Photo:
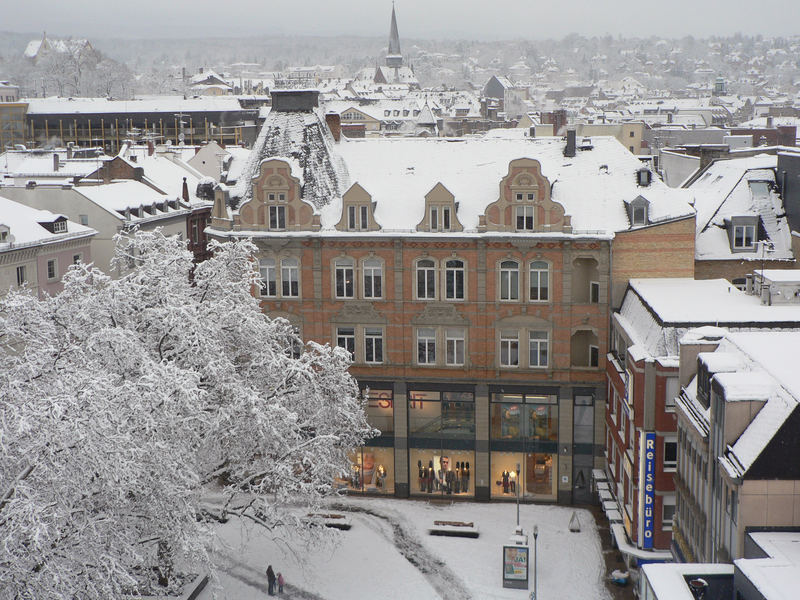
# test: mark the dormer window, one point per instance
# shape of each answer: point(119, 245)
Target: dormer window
point(60, 227)
point(744, 237)
point(643, 176)
point(638, 211)
point(5, 234)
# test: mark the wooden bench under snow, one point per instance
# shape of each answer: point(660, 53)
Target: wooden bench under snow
point(454, 529)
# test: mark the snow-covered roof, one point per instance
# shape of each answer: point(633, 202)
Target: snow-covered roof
point(168, 104)
point(118, 196)
point(669, 580)
point(24, 226)
point(658, 313)
point(771, 366)
point(304, 137)
point(38, 164)
point(167, 173)
point(592, 186)
point(739, 187)
point(776, 576)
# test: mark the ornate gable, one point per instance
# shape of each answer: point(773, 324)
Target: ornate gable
point(524, 203)
point(276, 203)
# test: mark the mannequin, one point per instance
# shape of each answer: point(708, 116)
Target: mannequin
point(421, 476)
point(505, 481)
point(465, 474)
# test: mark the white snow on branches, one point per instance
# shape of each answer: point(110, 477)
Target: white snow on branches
point(125, 403)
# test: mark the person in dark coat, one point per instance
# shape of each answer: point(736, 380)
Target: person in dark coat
point(271, 581)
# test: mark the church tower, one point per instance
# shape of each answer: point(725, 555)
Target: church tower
point(393, 57)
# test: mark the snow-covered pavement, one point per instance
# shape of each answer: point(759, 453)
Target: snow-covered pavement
point(388, 554)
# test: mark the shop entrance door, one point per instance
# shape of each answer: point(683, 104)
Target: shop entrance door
point(582, 449)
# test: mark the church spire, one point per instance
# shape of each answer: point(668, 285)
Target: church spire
point(393, 57)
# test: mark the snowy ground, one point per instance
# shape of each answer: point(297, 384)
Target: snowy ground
point(388, 554)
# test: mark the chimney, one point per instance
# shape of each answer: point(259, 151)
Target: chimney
point(151, 148)
point(55, 161)
point(185, 191)
point(669, 117)
point(693, 342)
point(69, 150)
point(770, 122)
point(201, 70)
point(334, 124)
point(569, 151)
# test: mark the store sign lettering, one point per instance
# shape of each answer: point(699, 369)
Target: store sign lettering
point(649, 497)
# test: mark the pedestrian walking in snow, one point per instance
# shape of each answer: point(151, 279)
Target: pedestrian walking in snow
point(270, 581)
point(280, 583)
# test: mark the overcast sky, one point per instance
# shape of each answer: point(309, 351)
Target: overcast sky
point(472, 19)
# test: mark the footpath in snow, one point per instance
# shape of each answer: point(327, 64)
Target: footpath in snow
point(388, 554)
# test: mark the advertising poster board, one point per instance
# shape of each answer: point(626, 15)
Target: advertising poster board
point(515, 567)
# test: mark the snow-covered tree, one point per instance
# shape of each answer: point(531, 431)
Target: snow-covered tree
point(126, 404)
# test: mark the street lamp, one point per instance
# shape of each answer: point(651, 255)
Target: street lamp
point(535, 535)
point(516, 487)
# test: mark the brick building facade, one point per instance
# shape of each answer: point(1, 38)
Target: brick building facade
point(471, 283)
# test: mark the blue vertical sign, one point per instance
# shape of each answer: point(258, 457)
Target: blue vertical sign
point(649, 496)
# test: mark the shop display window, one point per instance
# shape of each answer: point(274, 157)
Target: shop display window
point(536, 478)
point(442, 472)
point(518, 417)
point(441, 414)
point(380, 409)
point(372, 471)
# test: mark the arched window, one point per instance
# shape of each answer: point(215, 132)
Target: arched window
point(344, 273)
point(426, 279)
point(539, 281)
point(373, 278)
point(454, 279)
point(290, 278)
point(269, 287)
point(509, 280)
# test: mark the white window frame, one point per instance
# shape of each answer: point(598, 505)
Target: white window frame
point(269, 274)
point(373, 355)
point(59, 226)
point(508, 279)
point(524, 212)
point(346, 338)
point(54, 263)
point(22, 275)
point(458, 275)
point(541, 269)
point(744, 230)
point(446, 222)
point(426, 346)
point(76, 258)
point(540, 340)
point(667, 524)
point(671, 466)
point(344, 277)
point(352, 218)
point(277, 217)
point(372, 272)
point(428, 272)
point(509, 345)
point(455, 346)
point(290, 274)
point(434, 218)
